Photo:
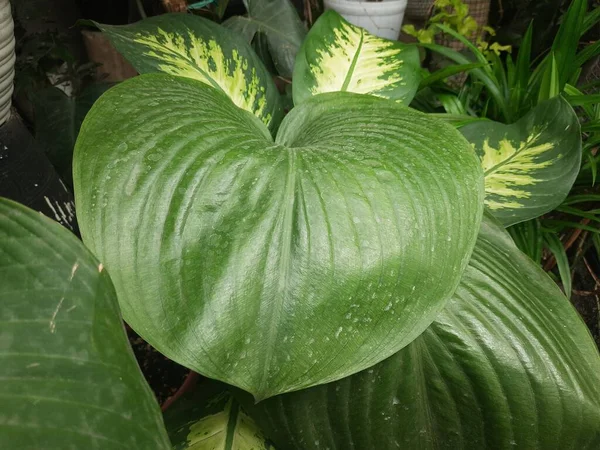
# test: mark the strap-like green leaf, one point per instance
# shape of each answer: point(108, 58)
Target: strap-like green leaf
point(210, 419)
point(278, 21)
point(274, 266)
point(338, 56)
point(190, 46)
point(531, 165)
point(508, 364)
point(68, 376)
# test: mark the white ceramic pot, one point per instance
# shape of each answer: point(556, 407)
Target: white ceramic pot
point(7, 59)
point(383, 18)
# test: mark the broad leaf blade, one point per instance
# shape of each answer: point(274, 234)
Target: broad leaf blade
point(69, 378)
point(338, 56)
point(273, 265)
point(279, 22)
point(531, 165)
point(508, 364)
point(210, 419)
point(190, 46)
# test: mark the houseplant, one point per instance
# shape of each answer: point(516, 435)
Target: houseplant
point(367, 215)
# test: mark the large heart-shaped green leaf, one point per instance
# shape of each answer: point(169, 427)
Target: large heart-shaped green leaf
point(190, 46)
point(508, 364)
point(531, 165)
point(274, 265)
point(278, 21)
point(209, 418)
point(68, 376)
point(338, 56)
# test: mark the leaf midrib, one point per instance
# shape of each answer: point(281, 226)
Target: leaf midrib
point(350, 72)
point(507, 160)
point(284, 269)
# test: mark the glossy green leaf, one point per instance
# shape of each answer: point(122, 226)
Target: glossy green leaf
point(528, 238)
point(209, 418)
point(68, 376)
point(508, 364)
point(338, 56)
point(531, 165)
point(274, 265)
point(279, 22)
point(190, 46)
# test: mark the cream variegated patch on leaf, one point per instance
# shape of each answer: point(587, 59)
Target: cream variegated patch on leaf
point(209, 418)
point(531, 165)
point(192, 47)
point(338, 56)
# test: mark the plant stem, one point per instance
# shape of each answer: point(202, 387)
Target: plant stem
point(140, 7)
point(189, 382)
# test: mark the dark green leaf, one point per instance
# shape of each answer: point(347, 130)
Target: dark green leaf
point(564, 48)
point(274, 265)
point(528, 238)
point(279, 21)
point(508, 364)
point(58, 119)
point(446, 72)
point(69, 378)
point(551, 85)
point(562, 261)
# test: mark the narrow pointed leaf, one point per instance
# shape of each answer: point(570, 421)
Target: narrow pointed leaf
point(338, 56)
point(278, 20)
point(69, 377)
point(274, 265)
point(209, 418)
point(531, 165)
point(190, 46)
point(508, 364)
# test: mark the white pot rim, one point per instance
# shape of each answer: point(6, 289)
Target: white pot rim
point(358, 7)
point(373, 4)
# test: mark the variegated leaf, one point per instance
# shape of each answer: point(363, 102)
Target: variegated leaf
point(531, 165)
point(193, 47)
point(208, 418)
point(338, 56)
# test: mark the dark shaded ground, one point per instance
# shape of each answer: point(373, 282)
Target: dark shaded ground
point(163, 375)
point(586, 292)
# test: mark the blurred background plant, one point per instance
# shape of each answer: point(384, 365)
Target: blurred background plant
point(503, 86)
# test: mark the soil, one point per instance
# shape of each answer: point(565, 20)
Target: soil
point(586, 292)
point(163, 375)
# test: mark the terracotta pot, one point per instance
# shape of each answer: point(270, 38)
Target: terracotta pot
point(112, 66)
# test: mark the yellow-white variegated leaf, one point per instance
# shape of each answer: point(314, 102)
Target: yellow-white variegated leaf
point(338, 56)
point(190, 46)
point(209, 418)
point(531, 165)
